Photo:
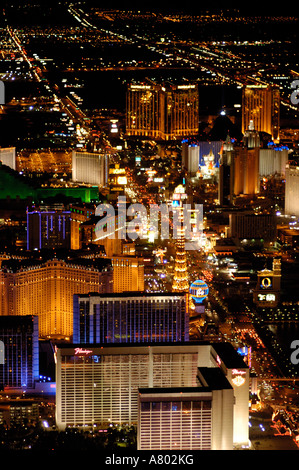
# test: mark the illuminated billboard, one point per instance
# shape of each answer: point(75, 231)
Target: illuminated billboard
point(122, 180)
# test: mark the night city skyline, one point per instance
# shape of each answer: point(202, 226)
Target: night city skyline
point(149, 229)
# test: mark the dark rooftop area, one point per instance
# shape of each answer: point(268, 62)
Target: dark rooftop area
point(213, 378)
point(229, 356)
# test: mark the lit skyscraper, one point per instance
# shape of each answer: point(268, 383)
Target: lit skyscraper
point(181, 110)
point(144, 110)
point(46, 289)
point(181, 418)
point(180, 278)
point(246, 171)
point(133, 317)
point(162, 111)
point(90, 168)
point(292, 190)
point(128, 273)
point(261, 105)
point(102, 384)
point(48, 228)
point(19, 336)
point(273, 161)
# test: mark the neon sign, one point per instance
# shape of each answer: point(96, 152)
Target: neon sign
point(267, 297)
point(218, 360)
point(82, 352)
point(237, 378)
point(238, 381)
point(266, 282)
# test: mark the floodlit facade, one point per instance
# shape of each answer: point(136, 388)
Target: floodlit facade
point(292, 190)
point(144, 110)
point(246, 171)
point(46, 289)
point(190, 158)
point(90, 168)
point(130, 318)
point(273, 161)
point(162, 111)
point(261, 105)
point(128, 273)
point(181, 110)
point(195, 418)
point(92, 231)
point(8, 157)
point(172, 419)
point(100, 384)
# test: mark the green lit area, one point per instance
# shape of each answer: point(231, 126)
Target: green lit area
point(16, 186)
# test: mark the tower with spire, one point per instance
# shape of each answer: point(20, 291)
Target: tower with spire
point(180, 278)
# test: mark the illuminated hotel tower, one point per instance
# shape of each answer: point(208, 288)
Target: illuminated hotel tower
point(90, 168)
point(177, 394)
point(162, 111)
point(292, 190)
point(180, 278)
point(180, 110)
point(48, 228)
point(45, 288)
point(261, 104)
point(19, 340)
point(144, 110)
point(130, 317)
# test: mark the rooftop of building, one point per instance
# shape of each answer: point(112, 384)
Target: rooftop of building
point(17, 321)
point(229, 355)
point(130, 294)
point(14, 265)
point(209, 378)
point(226, 351)
point(213, 378)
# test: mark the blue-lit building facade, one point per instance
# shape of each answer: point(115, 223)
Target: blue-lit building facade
point(48, 228)
point(130, 318)
point(19, 365)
